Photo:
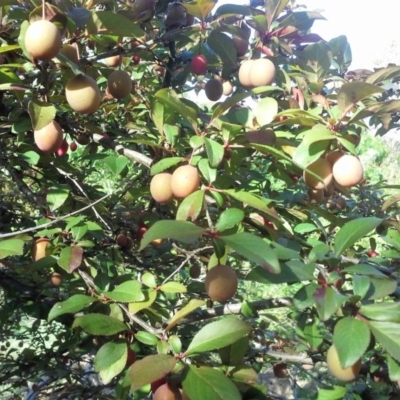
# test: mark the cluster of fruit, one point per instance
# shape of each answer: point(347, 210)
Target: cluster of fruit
point(43, 42)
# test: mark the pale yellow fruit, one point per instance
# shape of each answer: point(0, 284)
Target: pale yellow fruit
point(244, 73)
point(323, 169)
point(114, 61)
point(38, 249)
point(71, 52)
point(214, 89)
point(160, 187)
point(333, 156)
point(49, 138)
point(343, 374)
point(221, 283)
point(119, 84)
point(348, 171)
point(42, 40)
point(227, 88)
point(56, 279)
point(83, 94)
point(185, 180)
point(262, 72)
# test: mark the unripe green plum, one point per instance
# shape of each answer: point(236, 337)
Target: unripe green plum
point(119, 84)
point(221, 283)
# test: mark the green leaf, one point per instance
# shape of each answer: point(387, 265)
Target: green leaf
point(257, 202)
point(234, 353)
point(223, 46)
point(351, 338)
point(191, 206)
point(149, 298)
point(70, 258)
point(244, 373)
point(266, 110)
point(150, 369)
point(57, 196)
point(183, 312)
point(215, 152)
point(107, 22)
point(200, 8)
point(394, 369)
point(315, 60)
point(273, 9)
point(170, 98)
point(171, 133)
point(126, 292)
point(307, 153)
point(173, 287)
point(333, 393)
point(389, 312)
point(11, 247)
point(237, 98)
point(313, 334)
point(218, 334)
point(380, 288)
point(353, 231)
point(31, 157)
point(175, 342)
point(158, 115)
point(209, 173)
point(72, 305)
point(327, 302)
point(78, 232)
point(183, 231)
point(146, 338)
point(387, 334)
point(352, 92)
point(109, 354)
point(364, 269)
point(164, 164)
point(383, 74)
point(304, 297)
point(99, 324)
point(149, 280)
point(116, 163)
point(41, 113)
point(255, 249)
point(229, 218)
point(202, 383)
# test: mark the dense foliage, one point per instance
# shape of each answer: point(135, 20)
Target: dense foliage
point(108, 293)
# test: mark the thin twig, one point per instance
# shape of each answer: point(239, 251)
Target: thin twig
point(189, 255)
point(236, 309)
point(131, 154)
point(69, 176)
point(135, 319)
point(55, 221)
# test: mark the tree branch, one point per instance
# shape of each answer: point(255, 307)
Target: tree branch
point(236, 309)
point(131, 154)
point(55, 221)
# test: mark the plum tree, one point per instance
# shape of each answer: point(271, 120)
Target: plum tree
point(343, 374)
point(172, 204)
point(83, 94)
point(49, 138)
point(221, 283)
point(119, 84)
point(184, 181)
point(43, 40)
point(160, 187)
